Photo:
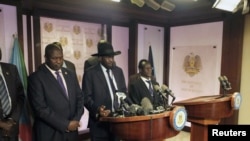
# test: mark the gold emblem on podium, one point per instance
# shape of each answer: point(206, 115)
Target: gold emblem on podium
point(178, 118)
point(76, 29)
point(77, 54)
point(192, 64)
point(48, 26)
point(236, 100)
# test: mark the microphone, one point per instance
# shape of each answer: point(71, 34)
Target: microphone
point(222, 82)
point(146, 105)
point(168, 92)
point(122, 96)
point(135, 109)
point(227, 82)
point(159, 91)
point(129, 109)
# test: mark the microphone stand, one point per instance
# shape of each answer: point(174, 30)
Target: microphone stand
point(123, 109)
point(120, 111)
point(164, 96)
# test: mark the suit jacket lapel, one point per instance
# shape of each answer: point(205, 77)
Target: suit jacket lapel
point(145, 89)
point(6, 74)
point(53, 79)
point(101, 76)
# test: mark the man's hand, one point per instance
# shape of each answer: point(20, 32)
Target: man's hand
point(73, 125)
point(7, 126)
point(103, 112)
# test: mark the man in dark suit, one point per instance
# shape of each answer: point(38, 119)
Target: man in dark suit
point(69, 65)
point(91, 61)
point(14, 94)
point(101, 99)
point(143, 86)
point(56, 99)
point(136, 76)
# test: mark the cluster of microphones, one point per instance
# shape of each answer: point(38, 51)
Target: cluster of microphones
point(225, 84)
point(127, 108)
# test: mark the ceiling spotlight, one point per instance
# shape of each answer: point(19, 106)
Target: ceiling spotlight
point(166, 5)
point(227, 5)
point(153, 4)
point(116, 0)
point(245, 8)
point(139, 3)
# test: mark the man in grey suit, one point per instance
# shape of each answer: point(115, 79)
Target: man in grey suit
point(100, 91)
point(56, 99)
point(10, 86)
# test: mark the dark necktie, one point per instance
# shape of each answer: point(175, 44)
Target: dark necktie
point(6, 107)
point(151, 91)
point(60, 81)
point(116, 104)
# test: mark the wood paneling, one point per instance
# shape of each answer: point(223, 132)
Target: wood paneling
point(232, 57)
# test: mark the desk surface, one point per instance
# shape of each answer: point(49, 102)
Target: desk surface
point(135, 118)
point(204, 100)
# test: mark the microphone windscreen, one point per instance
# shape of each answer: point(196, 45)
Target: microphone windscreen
point(146, 105)
point(157, 88)
point(121, 95)
point(221, 79)
point(164, 87)
point(225, 78)
point(135, 109)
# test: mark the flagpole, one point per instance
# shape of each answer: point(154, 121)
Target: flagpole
point(25, 124)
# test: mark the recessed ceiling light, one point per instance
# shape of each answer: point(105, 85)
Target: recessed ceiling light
point(116, 0)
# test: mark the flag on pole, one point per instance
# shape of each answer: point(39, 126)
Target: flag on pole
point(25, 127)
point(151, 60)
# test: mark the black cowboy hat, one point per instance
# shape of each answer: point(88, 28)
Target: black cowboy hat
point(105, 49)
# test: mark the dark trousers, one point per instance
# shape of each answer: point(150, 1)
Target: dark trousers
point(3, 138)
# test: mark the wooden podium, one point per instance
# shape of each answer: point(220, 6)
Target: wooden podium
point(208, 110)
point(155, 127)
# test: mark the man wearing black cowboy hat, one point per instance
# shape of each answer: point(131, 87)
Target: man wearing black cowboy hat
point(99, 85)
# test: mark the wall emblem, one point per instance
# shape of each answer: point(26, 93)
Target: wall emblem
point(64, 41)
point(192, 64)
point(48, 27)
point(77, 29)
point(89, 42)
point(77, 54)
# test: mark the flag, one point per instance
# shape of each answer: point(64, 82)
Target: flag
point(25, 127)
point(151, 60)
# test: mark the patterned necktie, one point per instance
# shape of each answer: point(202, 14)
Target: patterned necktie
point(6, 107)
point(151, 91)
point(116, 104)
point(60, 81)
